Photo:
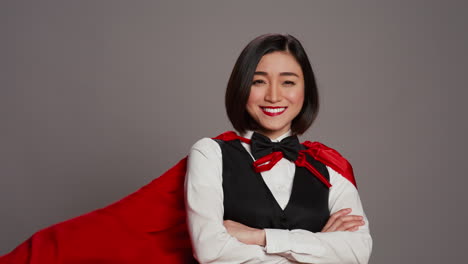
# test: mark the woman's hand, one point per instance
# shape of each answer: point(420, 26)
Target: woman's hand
point(245, 234)
point(341, 221)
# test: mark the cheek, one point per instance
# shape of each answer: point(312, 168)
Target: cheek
point(254, 97)
point(296, 97)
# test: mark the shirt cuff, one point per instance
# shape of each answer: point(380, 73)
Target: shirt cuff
point(277, 241)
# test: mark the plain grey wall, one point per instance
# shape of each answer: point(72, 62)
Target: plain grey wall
point(99, 97)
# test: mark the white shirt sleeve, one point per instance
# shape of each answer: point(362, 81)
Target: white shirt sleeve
point(332, 247)
point(204, 203)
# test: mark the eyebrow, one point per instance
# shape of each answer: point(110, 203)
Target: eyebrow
point(281, 74)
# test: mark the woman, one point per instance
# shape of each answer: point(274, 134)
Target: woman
point(274, 211)
point(234, 214)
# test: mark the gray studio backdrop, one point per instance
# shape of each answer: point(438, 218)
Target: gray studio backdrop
point(100, 97)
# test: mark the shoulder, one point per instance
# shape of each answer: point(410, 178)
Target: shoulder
point(339, 182)
point(332, 159)
point(325, 153)
point(204, 155)
point(204, 164)
point(207, 147)
point(318, 146)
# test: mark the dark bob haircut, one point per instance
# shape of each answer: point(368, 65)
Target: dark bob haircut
point(238, 87)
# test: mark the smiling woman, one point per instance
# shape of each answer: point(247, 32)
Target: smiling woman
point(260, 196)
point(275, 68)
point(277, 93)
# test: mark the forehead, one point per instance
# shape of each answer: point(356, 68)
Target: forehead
point(277, 62)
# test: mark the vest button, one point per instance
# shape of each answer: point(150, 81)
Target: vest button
point(283, 219)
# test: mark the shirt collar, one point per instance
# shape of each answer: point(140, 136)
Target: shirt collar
point(248, 134)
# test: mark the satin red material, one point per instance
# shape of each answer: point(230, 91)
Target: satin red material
point(331, 158)
point(302, 162)
point(267, 162)
point(148, 226)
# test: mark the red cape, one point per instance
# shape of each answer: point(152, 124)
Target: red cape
point(148, 226)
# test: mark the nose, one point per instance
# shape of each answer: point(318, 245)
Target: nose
point(273, 94)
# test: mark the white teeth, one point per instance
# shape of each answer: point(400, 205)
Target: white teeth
point(273, 110)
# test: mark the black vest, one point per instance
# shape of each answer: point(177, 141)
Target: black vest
point(248, 200)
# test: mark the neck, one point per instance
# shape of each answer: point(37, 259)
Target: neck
point(272, 134)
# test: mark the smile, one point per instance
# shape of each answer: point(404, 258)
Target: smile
point(273, 111)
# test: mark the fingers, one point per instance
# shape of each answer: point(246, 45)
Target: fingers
point(335, 216)
point(345, 222)
point(352, 229)
point(350, 226)
point(341, 221)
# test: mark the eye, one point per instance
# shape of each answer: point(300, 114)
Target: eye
point(258, 82)
point(289, 83)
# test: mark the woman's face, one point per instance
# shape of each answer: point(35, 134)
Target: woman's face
point(277, 93)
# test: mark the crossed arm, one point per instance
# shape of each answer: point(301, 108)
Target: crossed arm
point(339, 221)
point(344, 239)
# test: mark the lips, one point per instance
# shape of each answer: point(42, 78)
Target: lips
point(273, 110)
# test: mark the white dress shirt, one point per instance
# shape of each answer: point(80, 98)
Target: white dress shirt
point(213, 244)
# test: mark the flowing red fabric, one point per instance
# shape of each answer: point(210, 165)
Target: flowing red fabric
point(302, 162)
point(148, 226)
point(331, 158)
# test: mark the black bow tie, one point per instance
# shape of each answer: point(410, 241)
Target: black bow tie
point(262, 145)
